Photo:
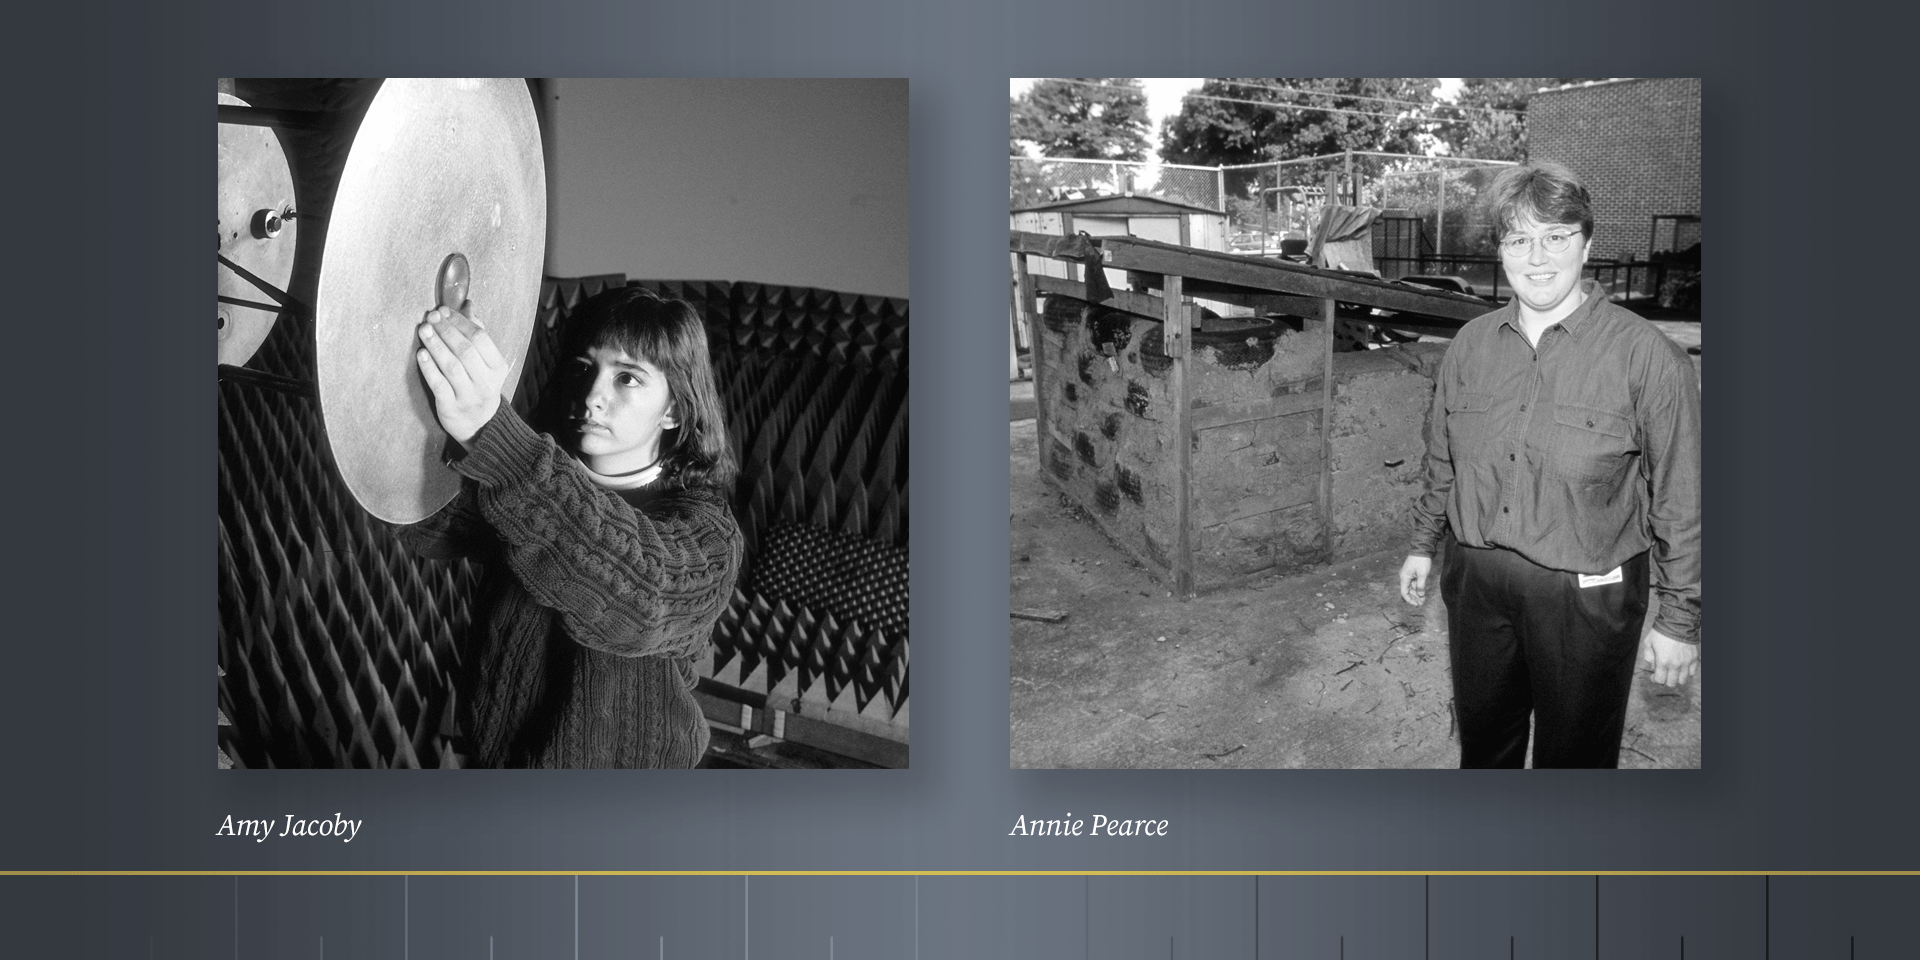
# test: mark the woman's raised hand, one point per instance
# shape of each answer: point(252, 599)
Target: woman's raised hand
point(463, 368)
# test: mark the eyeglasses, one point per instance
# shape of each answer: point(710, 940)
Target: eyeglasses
point(1552, 243)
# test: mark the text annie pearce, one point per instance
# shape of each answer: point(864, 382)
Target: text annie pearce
point(332, 828)
point(1102, 826)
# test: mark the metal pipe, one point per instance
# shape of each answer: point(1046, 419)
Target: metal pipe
point(308, 120)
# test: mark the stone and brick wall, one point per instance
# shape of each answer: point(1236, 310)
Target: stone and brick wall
point(1109, 442)
point(1636, 145)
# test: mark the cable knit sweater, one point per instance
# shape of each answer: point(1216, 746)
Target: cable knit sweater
point(595, 606)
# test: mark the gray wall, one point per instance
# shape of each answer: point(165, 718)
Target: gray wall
point(797, 182)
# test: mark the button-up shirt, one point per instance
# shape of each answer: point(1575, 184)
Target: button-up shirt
point(1577, 454)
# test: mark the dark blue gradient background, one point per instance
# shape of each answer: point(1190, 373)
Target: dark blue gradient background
point(107, 685)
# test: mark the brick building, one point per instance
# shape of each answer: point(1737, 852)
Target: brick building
point(1636, 144)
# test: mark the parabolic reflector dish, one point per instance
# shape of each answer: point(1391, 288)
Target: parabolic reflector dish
point(438, 167)
point(255, 193)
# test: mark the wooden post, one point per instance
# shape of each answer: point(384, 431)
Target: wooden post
point(1326, 428)
point(1439, 228)
point(1178, 331)
point(1037, 338)
point(1013, 331)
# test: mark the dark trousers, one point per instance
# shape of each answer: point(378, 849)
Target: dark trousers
point(1530, 641)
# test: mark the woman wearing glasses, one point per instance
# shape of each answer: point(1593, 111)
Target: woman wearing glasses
point(1563, 464)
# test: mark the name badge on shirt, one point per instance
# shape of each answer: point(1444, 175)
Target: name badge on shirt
point(1599, 579)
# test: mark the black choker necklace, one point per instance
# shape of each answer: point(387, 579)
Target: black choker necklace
point(629, 473)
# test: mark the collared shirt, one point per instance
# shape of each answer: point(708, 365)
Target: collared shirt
point(1577, 454)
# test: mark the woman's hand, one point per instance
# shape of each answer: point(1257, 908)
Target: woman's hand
point(463, 369)
point(1413, 579)
point(1673, 662)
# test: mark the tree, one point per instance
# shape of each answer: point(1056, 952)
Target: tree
point(1500, 135)
point(1252, 120)
point(1092, 118)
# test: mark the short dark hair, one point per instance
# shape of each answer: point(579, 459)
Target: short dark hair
point(670, 335)
point(1542, 191)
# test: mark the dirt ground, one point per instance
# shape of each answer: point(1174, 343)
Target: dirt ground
point(1327, 669)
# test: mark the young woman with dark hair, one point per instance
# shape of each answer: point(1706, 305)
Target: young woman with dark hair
point(609, 546)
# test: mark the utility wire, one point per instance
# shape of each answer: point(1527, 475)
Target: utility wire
point(1355, 96)
point(1308, 109)
point(1417, 118)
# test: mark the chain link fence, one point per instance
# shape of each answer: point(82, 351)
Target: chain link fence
point(1434, 198)
point(1432, 223)
point(1034, 182)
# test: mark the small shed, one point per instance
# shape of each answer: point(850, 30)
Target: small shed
point(1131, 215)
point(1128, 215)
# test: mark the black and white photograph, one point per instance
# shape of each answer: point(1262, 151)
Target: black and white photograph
point(562, 423)
point(1354, 422)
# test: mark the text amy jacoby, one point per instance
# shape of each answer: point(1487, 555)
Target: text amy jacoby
point(260, 830)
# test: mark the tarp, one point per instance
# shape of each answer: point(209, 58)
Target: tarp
point(1346, 237)
point(1086, 250)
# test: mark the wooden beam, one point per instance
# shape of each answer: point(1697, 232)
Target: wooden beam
point(1037, 336)
point(1262, 301)
point(1417, 325)
point(1282, 277)
point(1013, 330)
point(1302, 493)
point(1145, 304)
point(1067, 247)
point(1179, 329)
point(1258, 275)
point(1326, 431)
point(1265, 408)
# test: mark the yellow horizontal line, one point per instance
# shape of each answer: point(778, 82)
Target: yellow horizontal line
point(959, 873)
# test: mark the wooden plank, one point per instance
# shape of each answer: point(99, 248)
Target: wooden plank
point(1263, 301)
point(1264, 408)
point(1044, 616)
point(1283, 277)
point(1418, 325)
point(1180, 329)
point(1326, 431)
point(1301, 493)
point(1013, 331)
point(1145, 304)
point(1259, 274)
point(1047, 245)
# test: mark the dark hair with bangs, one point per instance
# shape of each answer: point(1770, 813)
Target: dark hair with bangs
point(1542, 191)
point(668, 334)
